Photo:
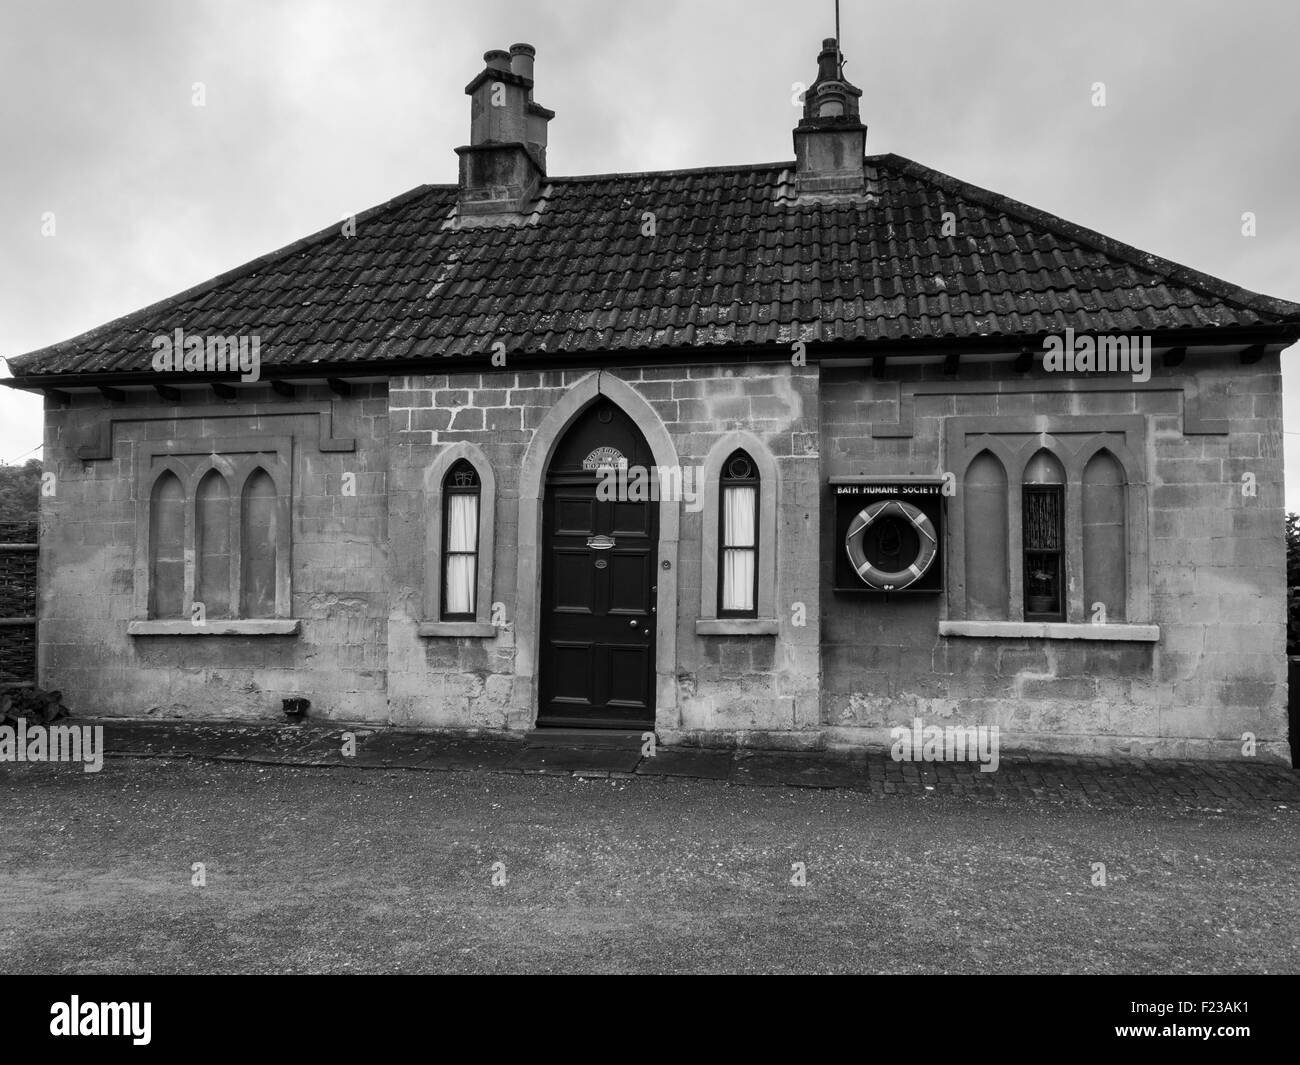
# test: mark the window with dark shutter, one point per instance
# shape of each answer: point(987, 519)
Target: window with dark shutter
point(1043, 538)
point(1044, 567)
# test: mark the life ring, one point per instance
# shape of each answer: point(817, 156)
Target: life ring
point(882, 580)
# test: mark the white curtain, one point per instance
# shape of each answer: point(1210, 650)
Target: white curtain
point(462, 535)
point(738, 548)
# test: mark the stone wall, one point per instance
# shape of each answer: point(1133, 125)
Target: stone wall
point(1215, 572)
point(338, 578)
point(739, 684)
point(817, 667)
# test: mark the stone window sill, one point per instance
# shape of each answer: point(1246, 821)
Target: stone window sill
point(1050, 630)
point(737, 626)
point(457, 628)
point(217, 627)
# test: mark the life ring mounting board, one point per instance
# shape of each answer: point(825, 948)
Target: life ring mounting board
point(884, 580)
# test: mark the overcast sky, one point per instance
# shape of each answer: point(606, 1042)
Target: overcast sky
point(316, 109)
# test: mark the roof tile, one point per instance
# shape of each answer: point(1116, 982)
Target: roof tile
point(734, 261)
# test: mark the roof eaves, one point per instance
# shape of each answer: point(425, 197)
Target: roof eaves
point(716, 351)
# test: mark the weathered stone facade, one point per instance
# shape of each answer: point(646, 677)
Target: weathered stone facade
point(706, 682)
point(816, 667)
point(91, 569)
point(1213, 561)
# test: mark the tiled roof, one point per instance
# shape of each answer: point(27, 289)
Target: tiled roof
point(733, 262)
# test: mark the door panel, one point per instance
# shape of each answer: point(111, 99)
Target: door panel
point(629, 582)
point(627, 666)
point(574, 582)
point(631, 518)
point(573, 515)
point(574, 672)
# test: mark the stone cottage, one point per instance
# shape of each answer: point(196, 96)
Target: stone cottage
point(788, 454)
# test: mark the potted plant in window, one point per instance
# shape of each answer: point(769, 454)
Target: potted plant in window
point(1041, 598)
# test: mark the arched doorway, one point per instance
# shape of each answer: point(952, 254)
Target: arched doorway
point(599, 576)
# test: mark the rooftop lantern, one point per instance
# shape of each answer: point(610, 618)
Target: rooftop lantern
point(830, 141)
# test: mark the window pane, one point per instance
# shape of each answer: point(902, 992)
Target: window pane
point(1042, 520)
point(462, 522)
point(739, 517)
point(738, 579)
point(462, 475)
point(1043, 583)
point(460, 583)
point(460, 568)
point(1044, 576)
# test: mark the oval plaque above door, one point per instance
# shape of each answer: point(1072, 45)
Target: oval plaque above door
point(605, 458)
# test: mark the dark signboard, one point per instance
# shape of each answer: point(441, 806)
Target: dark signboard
point(889, 536)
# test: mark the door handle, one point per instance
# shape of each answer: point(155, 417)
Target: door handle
point(632, 624)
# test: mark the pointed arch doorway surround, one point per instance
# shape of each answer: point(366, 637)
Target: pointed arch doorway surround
point(578, 659)
point(599, 580)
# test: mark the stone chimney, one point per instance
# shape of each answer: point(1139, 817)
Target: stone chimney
point(830, 141)
point(505, 160)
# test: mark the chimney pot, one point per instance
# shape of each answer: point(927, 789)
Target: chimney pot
point(521, 59)
point(828, 66)
point(497, 59)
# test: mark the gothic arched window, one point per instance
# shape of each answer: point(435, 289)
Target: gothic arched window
point(738, 538)
point(1043, 538)
point(460, 507)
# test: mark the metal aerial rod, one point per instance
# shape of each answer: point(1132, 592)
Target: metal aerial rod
point(839, 52)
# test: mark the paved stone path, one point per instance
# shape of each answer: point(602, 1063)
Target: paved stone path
point(1085, 781)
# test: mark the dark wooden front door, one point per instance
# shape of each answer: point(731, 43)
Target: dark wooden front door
point(600, 559)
